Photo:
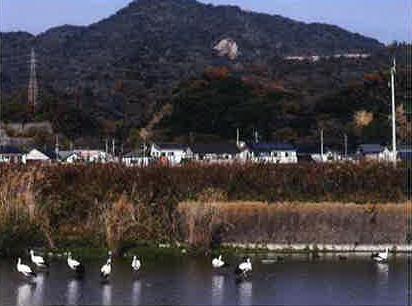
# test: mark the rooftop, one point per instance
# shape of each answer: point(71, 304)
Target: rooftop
point(215, 148)
point(268, 147)
point(10, 150)
point(371, 148)
point(171, 146)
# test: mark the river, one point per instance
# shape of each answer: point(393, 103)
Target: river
point(298, 280)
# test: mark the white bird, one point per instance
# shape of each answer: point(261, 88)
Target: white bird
point(136, 264)
point(106, 268)
point(244, 267)
point(382, 256)
point(218, 262)
point(25, 269)
point(74, 264)
point(38, 260)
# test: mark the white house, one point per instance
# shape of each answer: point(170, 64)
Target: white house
point(136, 159)
point(94, 156)
point(374, 152)
point(9, 154)
point(37, 156)
point(69, 157)
point(405, 152)
point(215, 152)
point(172, 154)
point(275, 153)
point(313, 154)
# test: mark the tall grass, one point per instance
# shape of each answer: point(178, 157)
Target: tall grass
point(21, 220)
point(286, 223)
point(116, 206)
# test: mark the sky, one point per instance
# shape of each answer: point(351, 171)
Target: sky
point(385, 20)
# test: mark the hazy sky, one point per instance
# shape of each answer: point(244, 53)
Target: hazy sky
point(386, 20)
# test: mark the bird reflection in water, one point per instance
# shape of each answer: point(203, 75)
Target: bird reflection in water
point(24, 295)
point(245, 292)
point(136, 292)
point(38, 294)
point(382, 270)
point(218, 282)
point(73, 294)
point(106, 294)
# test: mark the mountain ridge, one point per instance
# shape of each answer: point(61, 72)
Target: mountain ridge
point(125, 67)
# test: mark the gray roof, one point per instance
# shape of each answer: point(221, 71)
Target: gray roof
point(65, 154)
point(269, 147)
point(10, 150)
point(312, 149)
point(371, 148)
point(171, 146)
point(215, 148)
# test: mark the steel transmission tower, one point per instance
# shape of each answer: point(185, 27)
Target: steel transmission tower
point(33, 87)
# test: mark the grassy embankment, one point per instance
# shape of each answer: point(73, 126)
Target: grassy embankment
point(114, 207)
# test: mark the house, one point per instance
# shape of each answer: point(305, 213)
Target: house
point(10, 154)
point(69, 157)
point(136, 158)
point(94, 156)
point(405, 152)
point(169, 153)
point(84, 156)
point(37, 156)
point(215, 152)
point(276, 153)
point(312, 153)
point(373, 152)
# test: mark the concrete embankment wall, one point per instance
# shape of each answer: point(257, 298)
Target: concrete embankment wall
point(325, 248)
point(297, 226)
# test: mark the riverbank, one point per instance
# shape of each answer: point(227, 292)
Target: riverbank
point(203, 207)
point(314, 248)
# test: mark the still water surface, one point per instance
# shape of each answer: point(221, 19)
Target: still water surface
point(191, 281)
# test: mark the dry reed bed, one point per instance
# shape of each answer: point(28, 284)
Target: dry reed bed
point(284, 223)
point(111, 205)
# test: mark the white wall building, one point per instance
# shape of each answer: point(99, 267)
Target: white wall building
point(374, 152)
point(94, 156)
point(273, 153)
point(172, 154)
point(136, 159)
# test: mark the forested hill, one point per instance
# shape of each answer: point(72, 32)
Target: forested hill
point(114, 75)
point(292, 107)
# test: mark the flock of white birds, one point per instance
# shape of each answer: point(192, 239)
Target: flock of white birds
point(243, 269)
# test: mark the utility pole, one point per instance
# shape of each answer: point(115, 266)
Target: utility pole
point(33, 90)
point(113, 147)
point(321, 145)
point(237, 137)
point(345, 140)
point(56, 148)
point(394, 152)
point(144, 153)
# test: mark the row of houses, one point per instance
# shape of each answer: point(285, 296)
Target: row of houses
point(175, 154)
point(275, 153)
point(10, 154)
